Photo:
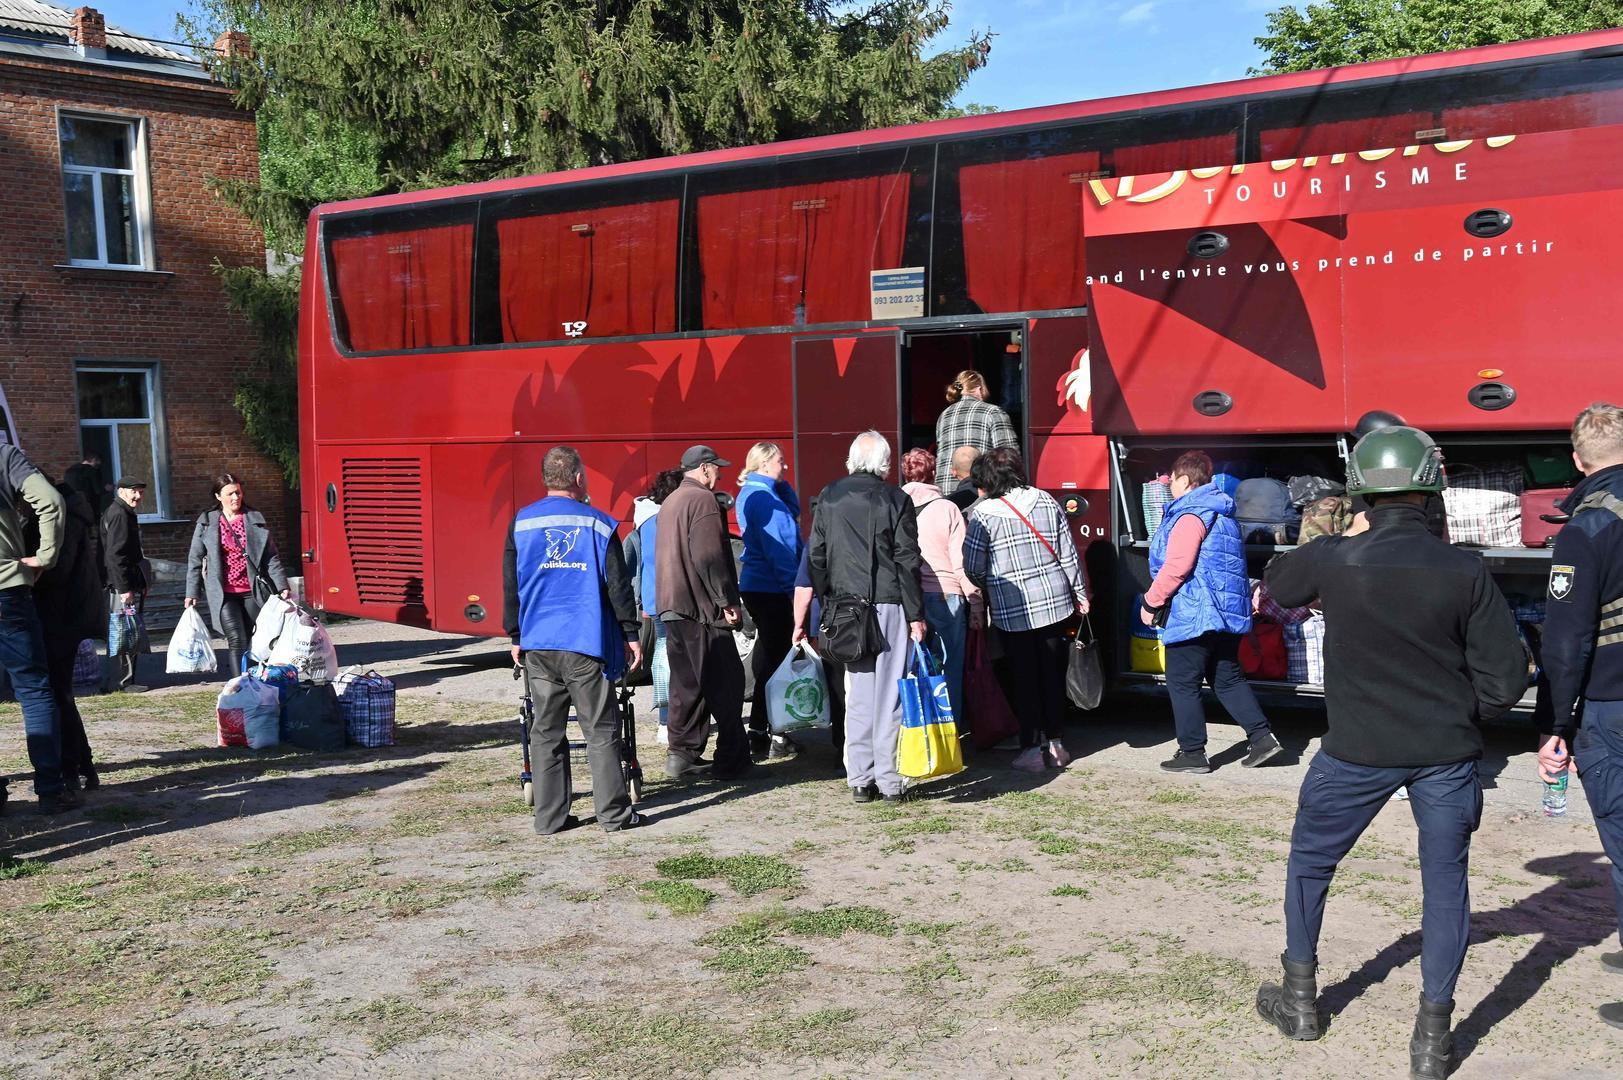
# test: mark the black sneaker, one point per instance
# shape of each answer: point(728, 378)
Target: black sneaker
point(899, 797)
point(570, 822)
point(677, 767)
point(739, 771)
point(134, 688)
point(1191, 762)
point(59, 803)
point(1264, 748)
point(865, 794)
point(635, 821)
point(92, 780)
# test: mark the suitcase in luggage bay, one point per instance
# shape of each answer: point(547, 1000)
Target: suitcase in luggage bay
point(1262, 651)
point(1536, 532)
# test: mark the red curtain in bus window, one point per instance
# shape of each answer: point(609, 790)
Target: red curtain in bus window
point(1539, 114)
point(407, 289)
point(1344, 136)
point(1171, 156)
point(1022, 225)
point(612, 268)
point(799, 254)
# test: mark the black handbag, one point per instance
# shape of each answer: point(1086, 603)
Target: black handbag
point(849, 630)
point(1084, 671)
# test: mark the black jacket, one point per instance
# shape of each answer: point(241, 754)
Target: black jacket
point(69, 596)
point(1419, 643)
point(1583, 659)
point(865, 542)
point(121, 547)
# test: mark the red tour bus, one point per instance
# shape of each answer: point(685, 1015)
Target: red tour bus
point(1245, 267)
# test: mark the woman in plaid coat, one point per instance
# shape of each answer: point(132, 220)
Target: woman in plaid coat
point(1018, 550)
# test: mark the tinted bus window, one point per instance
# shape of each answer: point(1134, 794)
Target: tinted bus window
point(402, 280)
point(1009, 209)
point(570, 263)
point(794, 245)
point(1442, 106)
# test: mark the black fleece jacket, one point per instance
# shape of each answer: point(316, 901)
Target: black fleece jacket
point(1419, 644)
point(865, 542)
point(1586, 583)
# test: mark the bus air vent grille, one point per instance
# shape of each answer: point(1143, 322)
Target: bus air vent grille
point(383, 526)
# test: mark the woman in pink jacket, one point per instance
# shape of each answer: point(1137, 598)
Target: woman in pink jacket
point(951, 601)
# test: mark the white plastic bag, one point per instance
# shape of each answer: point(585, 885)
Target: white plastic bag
point(249, 713)
point(305, 644)
point(796, 695)
point(268, 627)
point(190, 650)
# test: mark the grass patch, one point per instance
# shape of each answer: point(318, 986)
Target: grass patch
point(1054, 844)
point(506, 884)
point(1200, 981)
point(748, 875)
point(746, 950)
point(679, 897)
point(1171, 796)
point(833, 922)
point(933, 932)
point(12, 868)
point(622, 1042)
point(928, 974)
point(393, 1021)
point(291, 844)
point(1070, 890)
point(823, 1033)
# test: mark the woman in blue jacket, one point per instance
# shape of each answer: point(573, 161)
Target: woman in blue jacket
point(769, 521)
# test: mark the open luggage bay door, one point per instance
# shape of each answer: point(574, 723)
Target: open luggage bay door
point(844, 385)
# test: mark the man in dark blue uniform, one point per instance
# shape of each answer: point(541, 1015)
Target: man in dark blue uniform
point(1420, 648)
point(569, 612)
point(1583, 643)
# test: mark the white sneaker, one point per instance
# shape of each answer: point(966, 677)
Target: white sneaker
point(1030, 760)
point(782, 747)
point(662, 735)
point(1400, 795)
point(1057, 751)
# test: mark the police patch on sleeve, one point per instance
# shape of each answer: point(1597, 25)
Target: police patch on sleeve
point(1561, 578)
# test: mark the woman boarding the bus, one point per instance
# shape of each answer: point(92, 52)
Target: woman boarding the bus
point(969, 420)
point(950, 597)
point(769, 521)
point(232, 553)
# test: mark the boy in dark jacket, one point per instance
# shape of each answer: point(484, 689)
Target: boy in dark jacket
point(69, 598)
point(126, 566)
point(1420, 648)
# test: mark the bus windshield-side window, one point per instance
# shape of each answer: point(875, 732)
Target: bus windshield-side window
point(402, 281)
point(604, 268)
point(798, 250)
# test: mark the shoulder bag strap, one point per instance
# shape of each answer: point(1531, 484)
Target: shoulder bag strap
point(1038, 534)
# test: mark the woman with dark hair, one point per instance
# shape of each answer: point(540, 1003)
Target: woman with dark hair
point(1018, 549)
point(233, 563)
point(951, 600)
point(644, 538)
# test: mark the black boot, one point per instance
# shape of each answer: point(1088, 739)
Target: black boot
point(1290, 1007)
point(1431, 1049)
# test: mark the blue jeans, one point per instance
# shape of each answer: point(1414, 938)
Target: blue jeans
point(947, 616)
point(22, 654)
point(1598, 751)
point(1338, 801)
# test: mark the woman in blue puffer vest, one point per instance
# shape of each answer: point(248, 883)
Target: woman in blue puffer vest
point(769, 522)
point(1201, 597)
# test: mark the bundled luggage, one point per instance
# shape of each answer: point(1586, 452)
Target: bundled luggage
point(268, 626)
point(191, 652)
point(305, 645)
point(796, 695)
point(87, 668)
point(1155, 498)
point(1271, 610)
point(366, 704)
point(248, 713)
point(310, 719)
point(927, 747)
point(1304, 650)
point(127, 633)
point(1484, 505)
point(1262, 651)
point(1262, 507)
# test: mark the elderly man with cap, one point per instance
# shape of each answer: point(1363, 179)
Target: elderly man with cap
point(127, 567)
point(696, 585)
point(1420, 650)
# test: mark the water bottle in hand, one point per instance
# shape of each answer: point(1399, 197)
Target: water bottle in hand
point(1555, 796)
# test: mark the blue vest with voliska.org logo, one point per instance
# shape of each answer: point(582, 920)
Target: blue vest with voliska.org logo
point(1217, 596)
point(563, 547)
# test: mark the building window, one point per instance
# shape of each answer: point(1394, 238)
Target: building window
point(119, 420)
point(104, 190)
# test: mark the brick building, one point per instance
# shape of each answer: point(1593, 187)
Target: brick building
point(114, 331)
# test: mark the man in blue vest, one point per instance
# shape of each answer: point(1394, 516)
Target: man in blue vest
point(569, 611)
point(1201, 598)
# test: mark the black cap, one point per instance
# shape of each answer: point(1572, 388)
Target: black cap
point(694, 456)
point(129, 482)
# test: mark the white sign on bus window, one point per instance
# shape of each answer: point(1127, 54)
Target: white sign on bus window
point(898, 293)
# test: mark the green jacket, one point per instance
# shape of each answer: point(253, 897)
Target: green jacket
point(18, 477)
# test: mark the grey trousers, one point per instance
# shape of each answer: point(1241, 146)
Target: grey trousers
point(873, 707)
point(556, 679)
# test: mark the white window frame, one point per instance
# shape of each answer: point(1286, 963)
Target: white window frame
point(139, 186)
point(157, 489)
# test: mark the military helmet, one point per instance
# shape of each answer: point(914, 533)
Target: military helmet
point(1376, 420)
point(1395, 460)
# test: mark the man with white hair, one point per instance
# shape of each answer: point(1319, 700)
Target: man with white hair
point(865, 547)
point(1583, 645)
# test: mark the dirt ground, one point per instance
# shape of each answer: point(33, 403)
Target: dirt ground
point(391, 913)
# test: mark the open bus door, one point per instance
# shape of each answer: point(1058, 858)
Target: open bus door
point(843, 385)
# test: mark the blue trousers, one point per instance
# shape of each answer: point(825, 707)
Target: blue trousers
point(22, 654)
point(1338, 801)
point(1598, 751)
point(947, 615)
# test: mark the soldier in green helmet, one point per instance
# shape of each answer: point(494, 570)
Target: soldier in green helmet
point(1420, 649)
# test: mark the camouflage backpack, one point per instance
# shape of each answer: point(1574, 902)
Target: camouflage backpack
point(1328, 516)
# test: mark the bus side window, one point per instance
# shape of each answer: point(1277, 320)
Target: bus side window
point(399, 288)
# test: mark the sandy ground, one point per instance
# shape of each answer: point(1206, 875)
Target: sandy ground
point(391, 912)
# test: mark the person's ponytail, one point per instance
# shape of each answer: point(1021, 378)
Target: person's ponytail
point(965, 383)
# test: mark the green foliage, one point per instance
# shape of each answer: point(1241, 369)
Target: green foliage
point(12, 868)
point(269, 399)
point(680, 897)
point(747, 874)
point(1339, 32)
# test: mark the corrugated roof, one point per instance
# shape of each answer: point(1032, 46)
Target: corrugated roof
point(50, 21)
